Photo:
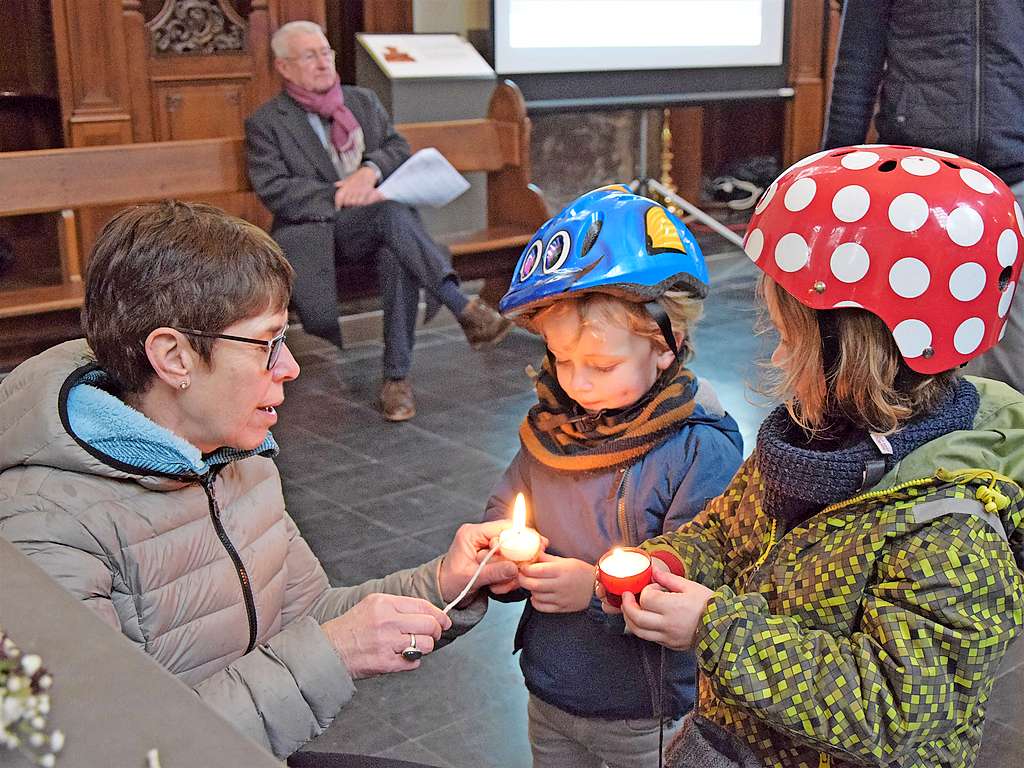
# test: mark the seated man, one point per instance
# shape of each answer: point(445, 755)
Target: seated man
point(316, 153)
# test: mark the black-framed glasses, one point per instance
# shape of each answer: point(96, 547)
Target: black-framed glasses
point(274, 345)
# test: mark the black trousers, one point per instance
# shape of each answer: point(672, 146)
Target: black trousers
point(407, 259)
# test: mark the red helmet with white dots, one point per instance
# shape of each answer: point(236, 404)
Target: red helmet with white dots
point(926, 240)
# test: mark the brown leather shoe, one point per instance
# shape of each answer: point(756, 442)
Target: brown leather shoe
point(482, 325)
point(396, 400)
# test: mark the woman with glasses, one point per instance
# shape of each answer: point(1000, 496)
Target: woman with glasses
point(135, 468)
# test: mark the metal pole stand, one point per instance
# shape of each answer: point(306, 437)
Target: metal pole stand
point(644, 185)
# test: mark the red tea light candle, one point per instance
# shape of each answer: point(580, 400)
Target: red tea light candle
point(624, 569)
point(519, 543)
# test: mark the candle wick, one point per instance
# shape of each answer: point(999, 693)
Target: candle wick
point(472, 581)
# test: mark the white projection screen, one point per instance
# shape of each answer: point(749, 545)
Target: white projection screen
point(618, 50)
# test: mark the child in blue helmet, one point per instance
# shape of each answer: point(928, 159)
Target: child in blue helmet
point(618, 449)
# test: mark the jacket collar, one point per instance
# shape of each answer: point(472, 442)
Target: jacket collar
point(296, 121)
point(121, 436)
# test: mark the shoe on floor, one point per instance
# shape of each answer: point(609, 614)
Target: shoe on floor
point(396, 400)
point(482, 325)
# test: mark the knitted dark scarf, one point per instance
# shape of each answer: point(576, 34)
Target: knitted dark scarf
point(561, 435)
point(802, 477)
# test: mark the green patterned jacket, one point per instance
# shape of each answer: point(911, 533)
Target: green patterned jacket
point(871, 633)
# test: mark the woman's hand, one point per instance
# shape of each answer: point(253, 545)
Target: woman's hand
point(558, 584)
point(371, 635)
point(469, 547)
point(669, 611)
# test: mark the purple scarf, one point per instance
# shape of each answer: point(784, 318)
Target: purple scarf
point(330, 104)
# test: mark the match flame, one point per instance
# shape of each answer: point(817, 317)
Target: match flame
point(519, 513)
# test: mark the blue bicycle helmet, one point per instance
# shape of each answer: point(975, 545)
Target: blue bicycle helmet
point(609, 241)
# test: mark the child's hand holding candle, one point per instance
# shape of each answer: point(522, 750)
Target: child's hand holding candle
point(519, 543)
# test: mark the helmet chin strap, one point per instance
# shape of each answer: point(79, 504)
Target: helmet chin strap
point(656, 311)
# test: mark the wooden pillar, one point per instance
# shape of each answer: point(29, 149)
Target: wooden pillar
point(387, 16)
point(687, 124)
point(93, 78)
point(805, 113)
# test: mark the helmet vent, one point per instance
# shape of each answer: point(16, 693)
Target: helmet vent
point(591, 237)
point(954, 166)
point(1004, 279)
point(888, 165)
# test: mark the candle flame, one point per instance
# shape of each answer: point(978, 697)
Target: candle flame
point(519, 513)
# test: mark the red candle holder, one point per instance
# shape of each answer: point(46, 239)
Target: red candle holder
point(625, 573)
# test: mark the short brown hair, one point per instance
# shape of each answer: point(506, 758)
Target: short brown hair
point(179, 265)
point(872, 386)
point(683, 311)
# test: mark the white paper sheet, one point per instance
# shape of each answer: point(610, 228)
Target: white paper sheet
point(426, 178)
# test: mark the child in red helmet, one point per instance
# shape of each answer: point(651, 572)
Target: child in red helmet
point(850, 595)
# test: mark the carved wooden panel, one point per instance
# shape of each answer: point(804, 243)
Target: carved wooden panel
point(200, 110)
point(196, 26)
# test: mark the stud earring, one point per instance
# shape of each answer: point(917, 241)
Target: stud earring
point(184, 384)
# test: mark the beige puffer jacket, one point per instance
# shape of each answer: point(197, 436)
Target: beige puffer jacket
point(156, 557)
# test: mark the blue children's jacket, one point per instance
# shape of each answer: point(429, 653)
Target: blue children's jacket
point(583, 662)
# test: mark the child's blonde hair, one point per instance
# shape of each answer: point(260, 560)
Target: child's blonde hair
point(865, 388)
point(682, 309)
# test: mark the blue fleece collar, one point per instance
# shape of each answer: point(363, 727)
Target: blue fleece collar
point(117, 430)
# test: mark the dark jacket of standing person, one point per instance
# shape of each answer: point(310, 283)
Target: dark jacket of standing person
point(951, 76)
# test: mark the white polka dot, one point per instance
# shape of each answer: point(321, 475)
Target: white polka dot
point(965, 226)
point(754, 244)
point(1005, 299)
point(766, 197)
point(968, 336)
point(1020, 217)
point(841, 304)
point(858, 161)
point(800, 195)
point(1006, 250)
point(851, 203)
point(912, 337)
point(967, 281)
point(977, 181)
point(809, 159)
point(909, 277)
point(908, 212)
point(792, 253)
point(849, 262)
point(871, 146)
point(939, 152)
point(1002, 332)
point(916, 165)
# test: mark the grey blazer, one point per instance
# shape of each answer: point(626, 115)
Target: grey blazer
point(293, 175)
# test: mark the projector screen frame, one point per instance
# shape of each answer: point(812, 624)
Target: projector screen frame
point(649, 88)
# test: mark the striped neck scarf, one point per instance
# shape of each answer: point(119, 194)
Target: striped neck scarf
point(561, 435)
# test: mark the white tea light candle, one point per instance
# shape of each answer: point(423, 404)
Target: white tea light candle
point(519, 543)
point(624, 562)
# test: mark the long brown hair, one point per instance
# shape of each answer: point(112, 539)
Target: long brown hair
point(871, 385)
